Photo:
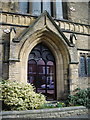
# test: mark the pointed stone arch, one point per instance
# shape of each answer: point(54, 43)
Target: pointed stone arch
point(60, 52)
point(44, 30)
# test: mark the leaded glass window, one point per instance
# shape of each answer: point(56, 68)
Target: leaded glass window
point(88, 65)
point(23, 6)
point(84, 69)
point(82, 66)
point(59, 12)
point(36, 7)
point(46, 6)
point(41, 70)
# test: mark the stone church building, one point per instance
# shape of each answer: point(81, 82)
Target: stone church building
point(46, 43)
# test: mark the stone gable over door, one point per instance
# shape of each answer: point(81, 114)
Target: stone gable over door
point(43, 30)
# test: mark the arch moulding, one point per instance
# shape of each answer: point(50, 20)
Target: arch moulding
point(58, 49)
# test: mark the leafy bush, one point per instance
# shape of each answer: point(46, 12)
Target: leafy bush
point(82, 97)
point(53, 105)
point(20, 96)
point(60, 104)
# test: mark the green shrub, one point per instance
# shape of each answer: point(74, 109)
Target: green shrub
point(60, 104)
point(20, 96)
point(53, 105)
point(82, 97)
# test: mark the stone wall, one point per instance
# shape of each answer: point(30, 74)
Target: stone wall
point(25, 20)
point(17, 19)
point(45, 113)
point(75, 10)
point(79, 12)
point(9, 5)
point(82, 32)
point(20, 22)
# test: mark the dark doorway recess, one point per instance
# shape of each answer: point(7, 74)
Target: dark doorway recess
point(41, 71)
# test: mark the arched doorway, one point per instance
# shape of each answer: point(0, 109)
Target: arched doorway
point(41, 71)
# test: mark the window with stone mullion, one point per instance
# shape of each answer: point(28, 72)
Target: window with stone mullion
point(35, 7)
point(82, 72)
point(84, 69)
point(55, 9)
point(46, 6)
point(59, 9)
point(88, 65)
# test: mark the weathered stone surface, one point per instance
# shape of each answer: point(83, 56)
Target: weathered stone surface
point(22, 32)
point(79, 11)
point(46, 113)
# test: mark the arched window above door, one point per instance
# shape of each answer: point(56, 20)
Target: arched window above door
point(41, 53)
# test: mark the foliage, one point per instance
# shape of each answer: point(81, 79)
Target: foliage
point(53, 105)
point(20, 96)
point(60, 104)
point(81, 97)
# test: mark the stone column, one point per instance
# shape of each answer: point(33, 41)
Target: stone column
point(73, 77)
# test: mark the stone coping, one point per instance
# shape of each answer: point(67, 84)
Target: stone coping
point(45, 113)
